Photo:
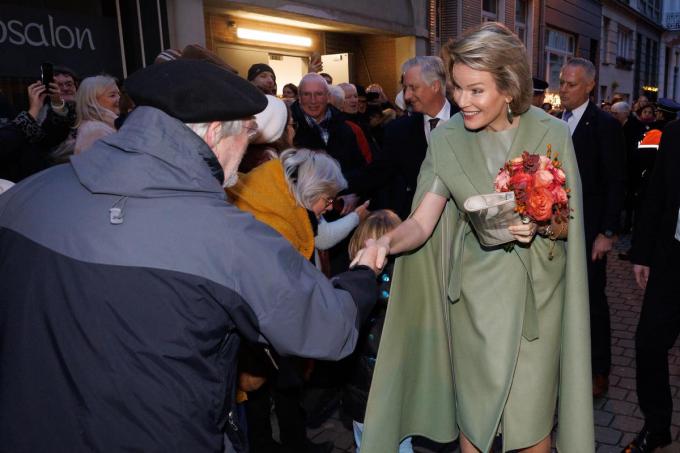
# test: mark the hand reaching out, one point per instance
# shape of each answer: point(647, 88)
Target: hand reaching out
point(362, 211)
point(374, 255)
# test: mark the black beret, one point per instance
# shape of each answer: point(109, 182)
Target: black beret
point(259, 68)
point(195, 91)
point(539, 85)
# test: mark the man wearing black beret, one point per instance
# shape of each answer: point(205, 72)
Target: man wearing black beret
point(127, 281)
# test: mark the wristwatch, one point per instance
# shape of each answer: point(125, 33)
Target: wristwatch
point(608, 234)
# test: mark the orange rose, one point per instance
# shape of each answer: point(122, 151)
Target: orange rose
point(520, 181)
point(539, 204)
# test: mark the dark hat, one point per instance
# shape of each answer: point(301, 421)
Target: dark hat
point(539, 85)
point(361, 91)
point(259, 68)
point(195, 91)
point(667, 105)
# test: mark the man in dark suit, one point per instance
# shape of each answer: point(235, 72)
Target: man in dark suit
point(406, 139)
point(600, 152)
point(656, 257)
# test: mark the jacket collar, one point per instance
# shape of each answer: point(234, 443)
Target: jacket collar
point(153, 155)
point(464, 144)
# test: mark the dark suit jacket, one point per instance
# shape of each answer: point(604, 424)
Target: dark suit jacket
point(601, 155)
point(342, 145)
point(404, 148)
point(654, 238)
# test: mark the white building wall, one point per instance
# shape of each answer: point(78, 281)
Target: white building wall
point(616, 79)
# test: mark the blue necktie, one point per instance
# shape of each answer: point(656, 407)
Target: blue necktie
point(567, 115)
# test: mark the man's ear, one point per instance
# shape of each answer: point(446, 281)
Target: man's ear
point(212, 133)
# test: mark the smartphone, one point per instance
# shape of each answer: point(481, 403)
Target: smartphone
point(47, 74)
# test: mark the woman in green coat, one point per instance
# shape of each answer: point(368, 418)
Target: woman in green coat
point(481, 341)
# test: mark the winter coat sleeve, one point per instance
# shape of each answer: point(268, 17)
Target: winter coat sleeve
point(298, 310)
point(330, 233)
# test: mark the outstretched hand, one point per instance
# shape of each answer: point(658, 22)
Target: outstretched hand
point(374, 255)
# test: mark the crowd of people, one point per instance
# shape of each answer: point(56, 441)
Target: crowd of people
point(186, 255)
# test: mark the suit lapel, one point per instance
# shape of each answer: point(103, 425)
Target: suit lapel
point(580, 134)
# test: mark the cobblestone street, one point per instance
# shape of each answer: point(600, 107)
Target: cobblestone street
point(617, 416)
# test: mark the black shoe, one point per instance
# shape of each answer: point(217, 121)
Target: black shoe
point(647, 442)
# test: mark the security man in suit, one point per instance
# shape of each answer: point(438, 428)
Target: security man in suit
point(406, 139)
point(656, 263)
point(600, 152)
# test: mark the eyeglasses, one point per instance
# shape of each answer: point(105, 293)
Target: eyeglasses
point(328, 202)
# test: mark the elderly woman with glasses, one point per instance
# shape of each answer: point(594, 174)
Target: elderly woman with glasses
point(289, 194)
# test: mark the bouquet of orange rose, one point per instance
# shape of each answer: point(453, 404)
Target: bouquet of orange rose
point(539, 185)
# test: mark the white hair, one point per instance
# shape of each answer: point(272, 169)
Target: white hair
point(87, 106)
point(311, 174)
point(312, 76)
point(621, 107)
point(227, 128)
point(337, 96)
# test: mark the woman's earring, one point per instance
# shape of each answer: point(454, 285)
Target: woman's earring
point(509, 113)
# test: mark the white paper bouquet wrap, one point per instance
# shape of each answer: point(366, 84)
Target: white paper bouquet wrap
point(491, 215)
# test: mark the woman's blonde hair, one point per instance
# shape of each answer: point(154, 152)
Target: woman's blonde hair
point(375, 225)
point(311, 174)
point(491, 47)
point(87, 107)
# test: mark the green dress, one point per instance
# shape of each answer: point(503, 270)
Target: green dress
point(482, 340)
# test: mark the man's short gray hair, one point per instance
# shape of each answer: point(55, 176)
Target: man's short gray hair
point(431, 69)
point(311, 174)
point(227, 128)
point(312, 76)
point(621, 107)
point(587, 65)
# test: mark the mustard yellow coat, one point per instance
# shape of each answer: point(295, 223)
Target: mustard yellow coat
point(485, 340)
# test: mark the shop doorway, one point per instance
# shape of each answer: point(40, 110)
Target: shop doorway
point(288, 68)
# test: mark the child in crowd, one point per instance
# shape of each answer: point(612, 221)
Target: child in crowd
point(356, 393)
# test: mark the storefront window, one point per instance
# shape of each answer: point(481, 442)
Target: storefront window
point(559, 48)
point(521, 12)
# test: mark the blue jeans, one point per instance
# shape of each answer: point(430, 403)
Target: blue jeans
point(404, 446)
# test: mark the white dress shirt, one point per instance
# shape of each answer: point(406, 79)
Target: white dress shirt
point(443, 115)
point(576, 115)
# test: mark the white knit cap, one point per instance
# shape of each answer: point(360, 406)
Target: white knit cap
point(399, 100)
point(271, 121)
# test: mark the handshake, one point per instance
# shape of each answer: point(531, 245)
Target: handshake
point(373, 255)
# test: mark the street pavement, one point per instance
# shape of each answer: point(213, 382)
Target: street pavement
point(617, 416)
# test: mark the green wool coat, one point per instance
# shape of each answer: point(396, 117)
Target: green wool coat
point(485, 340)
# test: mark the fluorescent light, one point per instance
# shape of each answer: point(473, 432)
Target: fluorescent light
point(279, 38)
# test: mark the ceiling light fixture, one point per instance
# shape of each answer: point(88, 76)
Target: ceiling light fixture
point(278, 38)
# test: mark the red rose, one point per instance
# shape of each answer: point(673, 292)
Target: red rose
point(539, 204)
point(521, 181)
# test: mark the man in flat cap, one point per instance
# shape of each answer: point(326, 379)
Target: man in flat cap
point(127, 281)
point(262, 76)
point(539, 92)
